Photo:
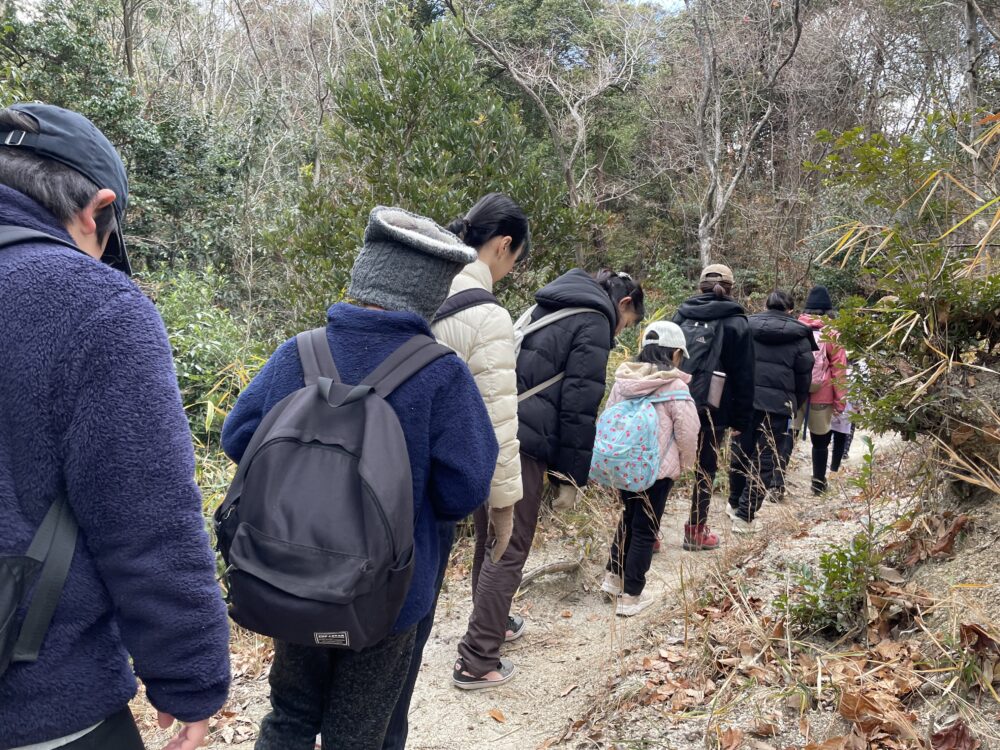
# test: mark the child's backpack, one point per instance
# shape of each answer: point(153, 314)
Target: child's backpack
point(524, 327)
point(704, 345)
point(627, 449)
point(822, 373)
point(317, 527)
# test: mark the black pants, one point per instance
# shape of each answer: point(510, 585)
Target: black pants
point(820, 457)
point(709, 440)
point(786, 446)
point(632, 548)
point(346, 696)
point(755, 465)
point(399, 728)
point(841, 447)
point(117, 732)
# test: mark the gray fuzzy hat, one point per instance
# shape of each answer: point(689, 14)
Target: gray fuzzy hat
point(407, 263)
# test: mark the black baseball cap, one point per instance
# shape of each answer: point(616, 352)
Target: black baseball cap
point(71, 139)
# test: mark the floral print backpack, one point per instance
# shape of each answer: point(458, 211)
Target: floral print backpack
point(627, 448)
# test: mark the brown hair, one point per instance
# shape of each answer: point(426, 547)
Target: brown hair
point(718, 287)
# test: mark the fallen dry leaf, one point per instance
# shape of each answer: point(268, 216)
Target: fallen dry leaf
point(975, 637)
point(497, 715)
point(890, 574)
point(568, 690)
point(765, 729)
point(567, 614)
point(945, 543)
point(955, 737)
point(730, 739)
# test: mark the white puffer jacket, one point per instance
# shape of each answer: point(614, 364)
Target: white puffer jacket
point(483, 336)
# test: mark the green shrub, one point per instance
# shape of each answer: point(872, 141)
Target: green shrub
point(213, 353)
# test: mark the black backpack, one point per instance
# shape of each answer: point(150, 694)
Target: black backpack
point(46, 562)
point(704, 345)
point(317, 527)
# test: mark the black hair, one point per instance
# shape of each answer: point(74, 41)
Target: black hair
point(815, 312)
point(494, 215)
point(779, 300)
point(60, 189)
point(618, 285)
point(718, 287)
point(654, 354)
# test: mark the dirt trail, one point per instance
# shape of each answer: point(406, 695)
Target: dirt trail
point(562, 660)
point(573, 644)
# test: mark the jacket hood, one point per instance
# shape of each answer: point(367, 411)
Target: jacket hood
point(709, 307)
point(635, 379)
point(774, 327)
point(577, 289)
point(812, 322)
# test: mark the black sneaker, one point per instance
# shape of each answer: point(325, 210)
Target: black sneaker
point(467, 682)
point(515, 628)
point(818, 486)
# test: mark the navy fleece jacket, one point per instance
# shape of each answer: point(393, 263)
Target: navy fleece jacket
point(89, 404)
point(449, 436)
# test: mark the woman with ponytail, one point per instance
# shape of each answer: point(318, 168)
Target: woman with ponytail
point(561, 372)
point(473, 323)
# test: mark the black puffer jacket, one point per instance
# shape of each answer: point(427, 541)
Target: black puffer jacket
point(557, 425)
point(783, 348)
point(735, 358)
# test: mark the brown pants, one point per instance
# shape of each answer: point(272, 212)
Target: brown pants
point(494, 584)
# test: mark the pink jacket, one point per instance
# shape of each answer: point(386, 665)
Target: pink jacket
point(836, 391)
point(678, 419)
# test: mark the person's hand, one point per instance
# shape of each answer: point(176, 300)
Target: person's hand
point(502, 526)
point(190, 736)
point(566, 497)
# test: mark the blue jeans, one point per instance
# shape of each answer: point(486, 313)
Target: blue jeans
point(395, 736)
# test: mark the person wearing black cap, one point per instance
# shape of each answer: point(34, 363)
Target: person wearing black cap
point(96, 465)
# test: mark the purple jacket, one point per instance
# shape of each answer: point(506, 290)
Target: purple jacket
point(89, 403)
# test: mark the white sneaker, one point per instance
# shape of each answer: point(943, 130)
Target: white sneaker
point(731, 511)
point(744, 527)
point(612, 584)
point(629, 605)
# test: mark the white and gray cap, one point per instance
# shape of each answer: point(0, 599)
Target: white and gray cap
point(667, 334)
point(407, 263)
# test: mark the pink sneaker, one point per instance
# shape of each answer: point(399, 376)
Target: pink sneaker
point(699, 537)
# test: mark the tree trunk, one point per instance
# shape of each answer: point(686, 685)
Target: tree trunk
point(128, 39)
point(705, 239)
point(971, 45)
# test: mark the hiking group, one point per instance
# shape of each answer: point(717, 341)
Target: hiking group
point(359, 445)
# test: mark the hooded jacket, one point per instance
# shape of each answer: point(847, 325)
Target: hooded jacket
point(783, 353)
point(483, 336)
point(678, 427)
point(735, 357)
point(89, 406)
point(835, 391)
point(557, 426)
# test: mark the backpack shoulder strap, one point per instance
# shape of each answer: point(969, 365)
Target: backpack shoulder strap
point(404, 363)
point(464, 300)
point(316, 357)
point(566, 312)
point(54, 542)
point(670, 396)
point(14, 235)
point(525, 320)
